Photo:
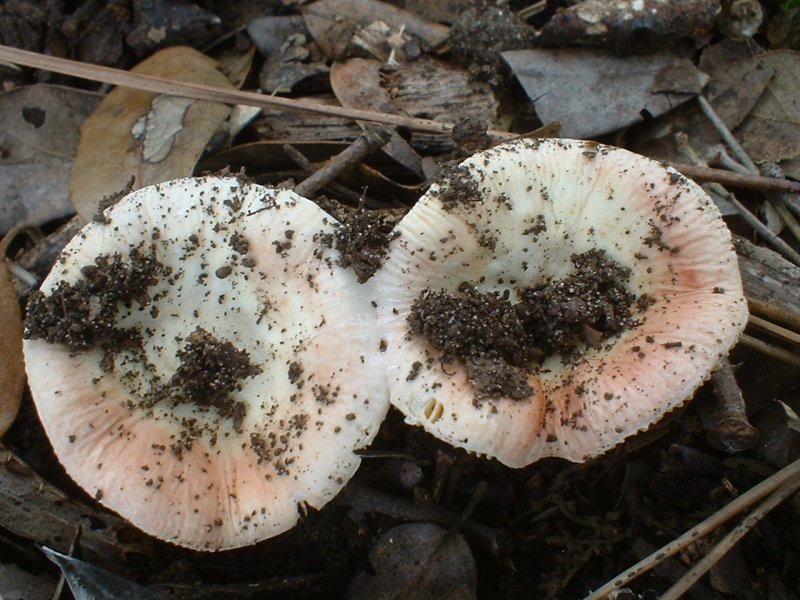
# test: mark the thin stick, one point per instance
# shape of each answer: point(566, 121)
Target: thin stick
point(766, 349)
point(773, 312)
point(773, 240)
point(726, 134)
point(372, 139)
point(732, 431)
point(776, 330)
point(730, 540)
point(212, 93)
point(752, 182)
point(790, 199)
point(733, 508)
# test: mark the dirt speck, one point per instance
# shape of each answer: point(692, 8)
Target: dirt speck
point(83, 314)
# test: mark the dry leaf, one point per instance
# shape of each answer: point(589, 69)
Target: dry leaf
point(150, 137)
point(37, 142)
point(592, 92)
point(12, 366)
point(89, 582)
point(418, 560)
point(332, 23)
point(771, 132)
point(357, 84)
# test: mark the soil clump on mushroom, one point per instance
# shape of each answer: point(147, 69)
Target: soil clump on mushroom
point(210, 370)
point(362, 239)
point(461, 187)
point(500, 340)
point(83, 314)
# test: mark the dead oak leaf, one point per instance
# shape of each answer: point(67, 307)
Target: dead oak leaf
point(152, 138)
point(771, 132)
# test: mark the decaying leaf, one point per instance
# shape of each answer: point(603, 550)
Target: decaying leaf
point(622, 22)
point(771, 131)
point(88, 582)
point(37, 146)
point(293, 62)
point(333, 23)
point(357, 84)
point(12, 366)
point(149, 137)
point(592, 92)
point(418, 560)
point(432, 89)
point(734, 87)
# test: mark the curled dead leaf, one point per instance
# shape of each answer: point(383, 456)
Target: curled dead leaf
point(149, 137)
point(12, 367)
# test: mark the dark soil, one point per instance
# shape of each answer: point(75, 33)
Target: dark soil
point(210, 370)
point(499, 340)
point(362, 238)
point(83, 314)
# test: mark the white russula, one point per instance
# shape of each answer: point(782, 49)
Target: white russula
point(202, 365)
point(553, 297)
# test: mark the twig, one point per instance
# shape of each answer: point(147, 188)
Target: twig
point(773, 240)
point(752, 182)
point(730, 540)
point(786, 356)
point(726, 134)
point(785, 249)
point(719, 156)
point(212, 93)
point(788, 197)
point(309, 169)
point(372, 139)
point(776, 330)
point(750, 497)
point(773, 311)
point(745, 160)
point(534, 9)
point(732, 431)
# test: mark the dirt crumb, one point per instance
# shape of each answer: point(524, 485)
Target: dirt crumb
point(83, 314)
point(210, 370)
point(499, 340)
point(362, 240)
point(458, 187)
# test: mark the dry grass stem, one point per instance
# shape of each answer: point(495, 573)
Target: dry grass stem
point(790, 473)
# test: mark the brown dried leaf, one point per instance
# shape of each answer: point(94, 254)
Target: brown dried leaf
point(772, 129)
point(357, 84)
point(12, 366)
point(150, 137)
point(592, 92)
point(38, 139)
point(332, 23)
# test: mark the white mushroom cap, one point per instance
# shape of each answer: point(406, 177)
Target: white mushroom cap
point(252, 377)
point(512, 217)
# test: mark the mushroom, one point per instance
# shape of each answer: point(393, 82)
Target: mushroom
point(553, 297)
point(202, 365)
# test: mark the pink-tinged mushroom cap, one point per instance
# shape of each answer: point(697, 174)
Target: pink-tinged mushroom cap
point(202, 365)
point(476, 260)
